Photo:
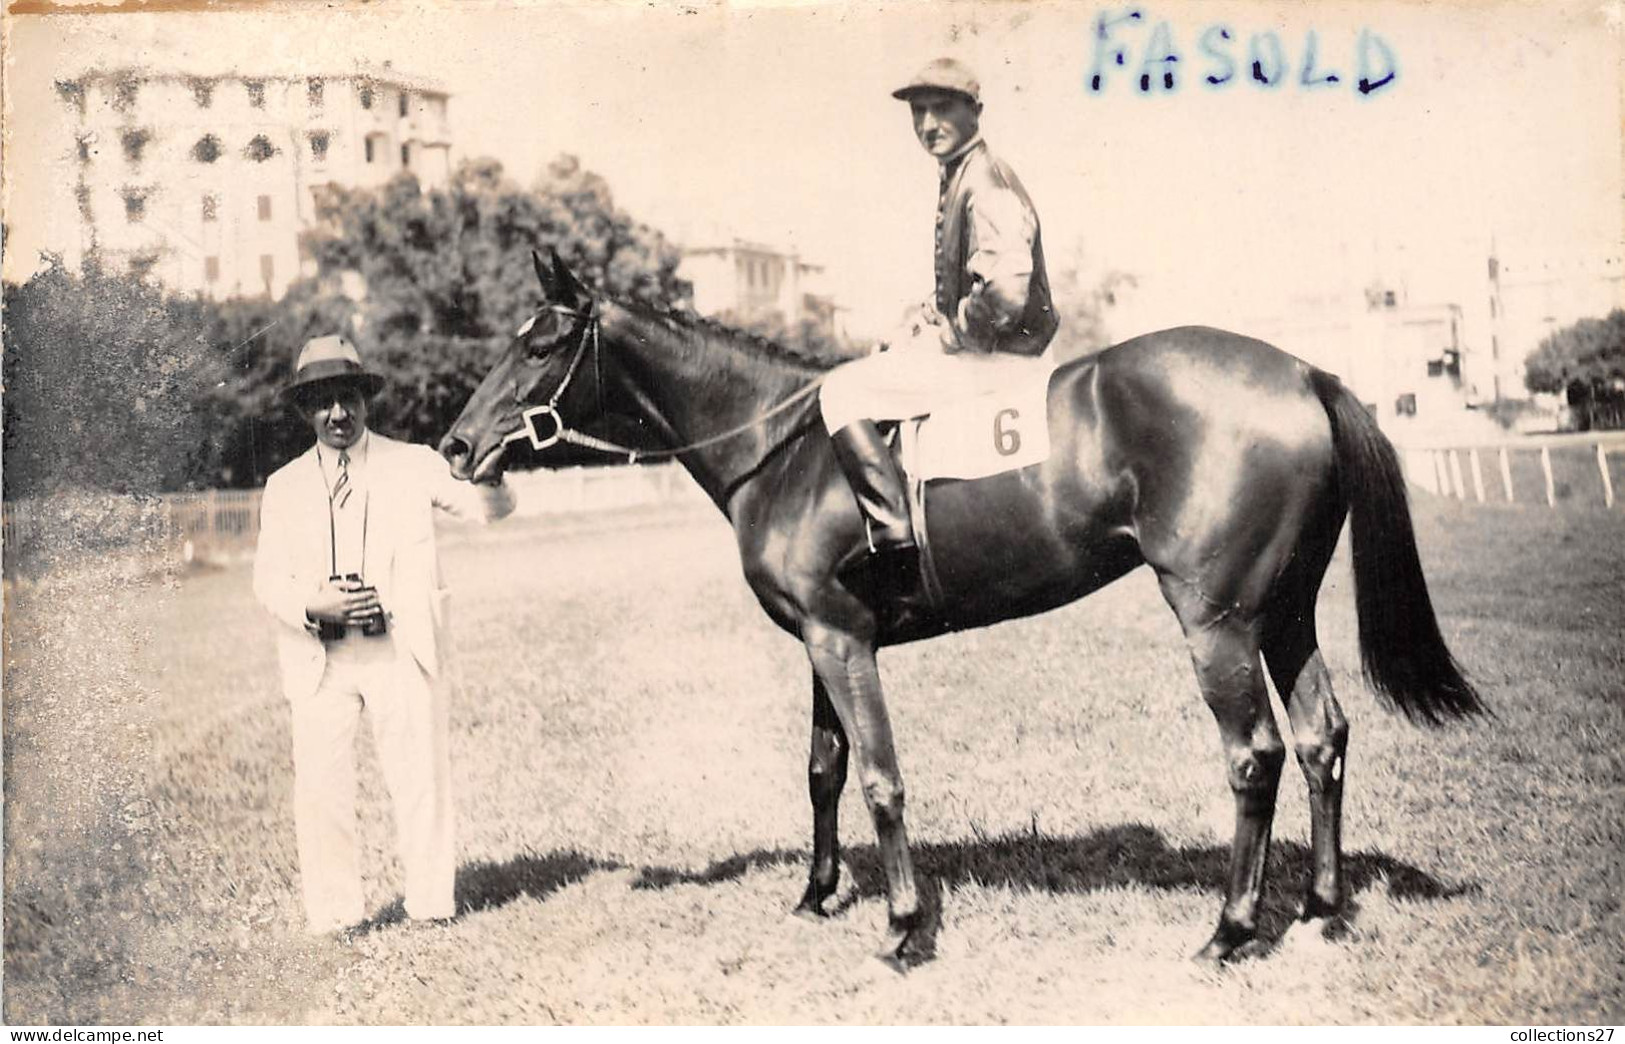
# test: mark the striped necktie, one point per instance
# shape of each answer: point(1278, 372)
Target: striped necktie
point(341, 485)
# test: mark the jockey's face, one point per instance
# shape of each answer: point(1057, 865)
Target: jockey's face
point(943, 120)
point(336, 411)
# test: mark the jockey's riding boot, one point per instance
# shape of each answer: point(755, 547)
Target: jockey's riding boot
point(879, 486)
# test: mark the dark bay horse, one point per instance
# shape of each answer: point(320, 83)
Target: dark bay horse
point(1225, 465)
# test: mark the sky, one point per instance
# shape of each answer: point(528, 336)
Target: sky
point(1502, 121)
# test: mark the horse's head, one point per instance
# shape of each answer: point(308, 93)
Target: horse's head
point(543, 372)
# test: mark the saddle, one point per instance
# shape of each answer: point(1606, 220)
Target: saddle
point(999, 428)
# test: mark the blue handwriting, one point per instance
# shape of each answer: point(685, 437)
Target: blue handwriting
point(1262, 60)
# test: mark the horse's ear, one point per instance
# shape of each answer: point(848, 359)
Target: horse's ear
point(570, 290)
point(543, 276)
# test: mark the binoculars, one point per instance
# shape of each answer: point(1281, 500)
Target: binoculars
point(374, 624)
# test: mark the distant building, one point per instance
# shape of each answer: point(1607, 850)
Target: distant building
point(1404, 360)
point(204, 183)
point(751, 282)
point(1423, 365)
point(1531, 298)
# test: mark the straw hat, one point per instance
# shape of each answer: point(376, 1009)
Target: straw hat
point(331, 358)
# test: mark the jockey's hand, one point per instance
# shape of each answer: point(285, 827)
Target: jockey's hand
point(917, 317)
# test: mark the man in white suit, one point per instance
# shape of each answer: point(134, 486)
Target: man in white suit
point(347, 565)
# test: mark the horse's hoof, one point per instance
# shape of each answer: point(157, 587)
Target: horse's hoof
point(1230, 942)
point(903, 945)
point(891, 962)
point(810, 912)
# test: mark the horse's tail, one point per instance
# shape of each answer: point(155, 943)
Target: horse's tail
point(1403, 655)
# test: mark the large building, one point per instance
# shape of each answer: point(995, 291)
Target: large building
point(204, 183)
point(749, 282)
point(1532, 296)
point(1426, 346)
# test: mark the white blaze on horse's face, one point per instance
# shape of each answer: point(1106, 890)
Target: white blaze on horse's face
point(536, 344)
point(943, 120)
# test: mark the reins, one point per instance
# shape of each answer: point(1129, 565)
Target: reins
point(563, 433)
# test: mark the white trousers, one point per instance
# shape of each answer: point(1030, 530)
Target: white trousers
point(409, 719)
point(912, 379)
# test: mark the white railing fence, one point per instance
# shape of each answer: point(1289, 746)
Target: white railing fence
point(218, 525)
point(1573, 469)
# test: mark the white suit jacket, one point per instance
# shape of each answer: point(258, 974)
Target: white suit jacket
point(405, 483)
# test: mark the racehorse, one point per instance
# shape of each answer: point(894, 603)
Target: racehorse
point(1224, 464)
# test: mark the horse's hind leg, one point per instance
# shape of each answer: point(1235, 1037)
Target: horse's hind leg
point(1224, 650)
point(1320, 735)
point(826, 777)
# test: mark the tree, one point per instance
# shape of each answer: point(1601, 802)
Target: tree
point(448, 277)
point(1585, 362)
point(805, 337)
point(102, 385)
point(113, 385)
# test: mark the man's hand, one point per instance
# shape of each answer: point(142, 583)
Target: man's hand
point(343, 602)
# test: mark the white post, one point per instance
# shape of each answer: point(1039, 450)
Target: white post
point(1478, 474)
point(1506, 475)
point(1607, 482)
point(1546, 467)
point(1455, 475)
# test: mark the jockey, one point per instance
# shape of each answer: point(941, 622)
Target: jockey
point(992, 304)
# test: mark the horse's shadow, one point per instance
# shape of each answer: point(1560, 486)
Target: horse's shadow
point(1127, 854)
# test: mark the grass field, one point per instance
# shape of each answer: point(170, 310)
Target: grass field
point(630, 739)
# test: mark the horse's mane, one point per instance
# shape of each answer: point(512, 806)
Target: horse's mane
point(683, 321)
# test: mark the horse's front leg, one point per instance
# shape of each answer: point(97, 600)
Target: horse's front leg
point(826, 778)
point(846, 666)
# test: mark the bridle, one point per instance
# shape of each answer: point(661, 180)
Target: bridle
point(562, 432)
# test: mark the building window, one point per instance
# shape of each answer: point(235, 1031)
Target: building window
point(72, 92)
point(365, 94)
point(202, 92)
point(406, 155)
point(1405, 405)
point(211, 269)
point(141, 265)
point(259, 149)
point(256, 93)
point(404, 97)
point(319, 140)
point(83, 142)
point(134, 142)
point(135, 206)
point(313, 92)
point(125, 92)
point(211, 208)
point(267, 270)
point(207, 149)
point(369, 150)
point(1388, 299)
point(265, 208)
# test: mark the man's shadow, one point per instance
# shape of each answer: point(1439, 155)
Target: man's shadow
point(487, 885)
point(1127, 854)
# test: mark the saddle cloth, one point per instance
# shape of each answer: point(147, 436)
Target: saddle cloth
point(997, 428)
